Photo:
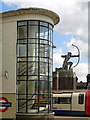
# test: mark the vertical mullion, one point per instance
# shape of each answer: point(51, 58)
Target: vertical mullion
point(27, 74)
point(52, 70)
point(48, 67)
point(16, 66)
point(38, 64)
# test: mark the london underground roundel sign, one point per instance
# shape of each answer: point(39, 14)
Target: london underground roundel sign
point(4, 104)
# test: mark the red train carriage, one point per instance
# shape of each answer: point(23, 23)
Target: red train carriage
point(76, 103)
point(88, 102)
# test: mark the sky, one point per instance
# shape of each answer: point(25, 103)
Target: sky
point(72, 29)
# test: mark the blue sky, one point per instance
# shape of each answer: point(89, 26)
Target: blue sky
point(73, 28)
point(6, 7)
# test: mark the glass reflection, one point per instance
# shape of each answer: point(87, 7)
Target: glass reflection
point(44, 51)
point(44, 33)
point(21, 50)
point(33, 32)
point(50, 35)
point(32, 49)
point(22, 106)
point(21, 87)
point(22, 32)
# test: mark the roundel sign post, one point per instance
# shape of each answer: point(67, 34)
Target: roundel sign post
point(4, 104)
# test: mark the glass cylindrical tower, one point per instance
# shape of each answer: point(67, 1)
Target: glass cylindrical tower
point(34, 66)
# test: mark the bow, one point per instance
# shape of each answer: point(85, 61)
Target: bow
point(77, 55)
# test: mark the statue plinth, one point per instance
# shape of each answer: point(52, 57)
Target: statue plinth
point(67, 80)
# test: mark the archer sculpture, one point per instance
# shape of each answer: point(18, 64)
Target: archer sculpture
point(67, 64)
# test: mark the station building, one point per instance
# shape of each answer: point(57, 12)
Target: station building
point(26, 62)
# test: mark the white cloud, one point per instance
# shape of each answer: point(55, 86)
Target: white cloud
point(81, 71)
point(74, 20)
point(57, 60)
point(82, 45)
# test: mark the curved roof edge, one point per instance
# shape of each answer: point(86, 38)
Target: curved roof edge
point(39, 11)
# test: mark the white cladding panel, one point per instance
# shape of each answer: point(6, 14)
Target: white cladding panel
point(62, 95)
point(29, 17)
point(9, 38)
point(75, 105)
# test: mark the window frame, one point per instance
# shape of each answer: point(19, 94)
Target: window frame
point(81, 98)
point(37, 58)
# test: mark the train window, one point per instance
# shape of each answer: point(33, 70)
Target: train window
point(81, 99)
point(55, 100)
point(64, 100)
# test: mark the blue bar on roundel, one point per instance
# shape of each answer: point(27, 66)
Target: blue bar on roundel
point(4, 104)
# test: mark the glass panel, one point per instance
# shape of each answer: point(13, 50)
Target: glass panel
point(44, 51)
point(32, 49)
point(21, 78)
point(44, 33)
point(33, 58)
point(44, 77)
point(55, 100)
point(22, 106)
point(33, 96)
point(43, 42)
point(50, 52)
point(21, 50)
point(21, 59)
point(32, 68)
point(44, 60)
point(50, 26)
point(81, 99)
point(50, 88)
point(21, 87)
point(33, 23)
point(20, 41)
point(22, 68)
point(64, 100)
point(44, 24)
point(50, 35)
point(22, 32)
point(34, 102)
point(43, 103)
point(33, 32)
point(50, 69)
point(43, 68)
point(22, 23)
point(33, 40)
point(32, 106)
point(32, 89)
point(43, 87)
point(51, 103)
point(23, 97)
point(33, 77)
point(50, 79)
point(50, 44)
point(50, 61)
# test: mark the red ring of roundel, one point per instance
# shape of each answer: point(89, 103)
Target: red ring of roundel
point(3, 98)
